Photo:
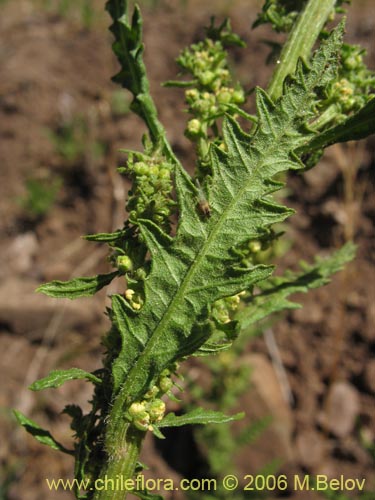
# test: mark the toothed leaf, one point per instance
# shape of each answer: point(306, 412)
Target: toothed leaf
point(274, 293)
point(77, 287)
point(40, 434)
point(195, 268)
point(198, 416)
point(58, 377)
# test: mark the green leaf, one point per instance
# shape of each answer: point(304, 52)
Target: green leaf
point(198, 266)
point(77, 287)
point(40, 434)
point(180, 83)
point(210, 348)
point(128, 48)
point(157, 432)
point(198, 416)
point(274, 292)
point(356, 127)
point(105, 237)
point(58, 377)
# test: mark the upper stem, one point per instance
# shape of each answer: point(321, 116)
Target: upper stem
point(300, 42)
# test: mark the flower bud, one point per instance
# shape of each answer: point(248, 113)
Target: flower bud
point(165, 384)
point(141, 168)
point(124, 263)
point(129, 294)
point(136, 409)
point(224, 96)
point(192, 94)
point(156, 409)
point(255, 246)
point(152, 392)
point(206, 77)
point(142, 421)
point(154, 170)
point(238, 96)
point(194, 128)
point(164, 173)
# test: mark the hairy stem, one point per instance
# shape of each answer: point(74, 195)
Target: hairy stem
point(115, 482)
point(300, 42)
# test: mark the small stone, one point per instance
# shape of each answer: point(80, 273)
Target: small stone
point(310, 448)
point(21, 253)
point(342, 409)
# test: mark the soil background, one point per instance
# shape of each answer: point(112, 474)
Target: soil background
point(62, 123)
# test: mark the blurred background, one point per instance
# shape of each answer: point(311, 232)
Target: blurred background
point(306, 380)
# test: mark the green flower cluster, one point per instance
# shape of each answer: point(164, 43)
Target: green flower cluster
point(347, 94)
point(149, 197)
point(223, 309)
point(256, 251)
point(351, 91)
point(151, 410)
point(213, 94)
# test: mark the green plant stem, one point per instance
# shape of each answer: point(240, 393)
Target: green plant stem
point(121, 464)
point(300, 42)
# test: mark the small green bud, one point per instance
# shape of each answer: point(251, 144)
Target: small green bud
point(140, 274)
point(223, 316)
point(165, 384)
point(129, 294)
point(124, 263)
point(352, 62)
point(192, 94)
point(151, 393)
point(206, 77)
point(255, 246)
point(213, 110)
point(224, 96)
point(142, 421)
point(238, 96)
point(158, 218)
point(199, 64)
point(154, 170)
point(223, 73)
point(194, 128)
point(164, 173)
point(137, 409)
point(156, 410)
point(141, 168)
